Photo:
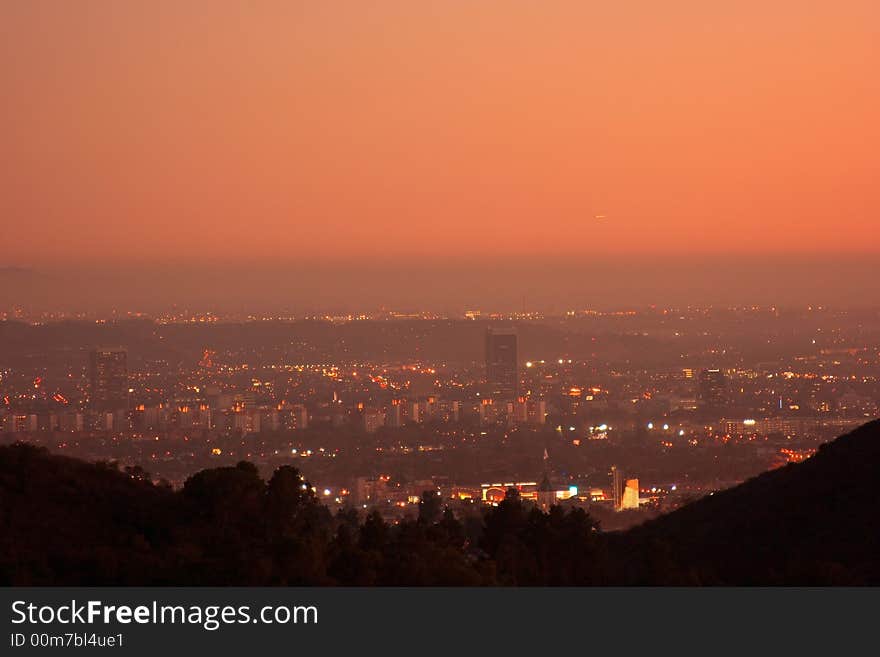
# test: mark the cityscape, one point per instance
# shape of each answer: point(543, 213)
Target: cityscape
point(626, 414)
point(374, 312)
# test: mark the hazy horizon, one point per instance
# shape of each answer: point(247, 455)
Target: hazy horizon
point(505, 285)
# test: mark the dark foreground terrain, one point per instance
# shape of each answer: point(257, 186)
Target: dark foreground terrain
point(67, 522)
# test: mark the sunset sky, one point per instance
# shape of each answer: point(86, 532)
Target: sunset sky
point(284, 131)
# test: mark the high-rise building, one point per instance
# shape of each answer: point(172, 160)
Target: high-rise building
point(394, 414)
point(300, 417)
point(489, 411)
point(502, 373)
point(617, 483)
point(373, 419)
point(713, 388)
point(537, 412)
point(624, 492)
point(108, 378)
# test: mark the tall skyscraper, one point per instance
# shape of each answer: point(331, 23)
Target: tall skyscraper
point(713, 388)
point(502, 373)
point(108, 378)
point(617, 484)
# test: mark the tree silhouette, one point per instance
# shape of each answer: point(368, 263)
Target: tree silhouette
point(430, 507)
point(67, 522)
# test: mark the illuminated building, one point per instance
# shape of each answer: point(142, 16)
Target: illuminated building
point(242, 422)
point(574, 396)
point(713, 388)
point(427, 408)
point(537, 412)
point(518, 411)
point(492, 493)
point(489, 412)
point(501, 363)
point(774, 425)
point(108, 378)
point(394, 415)
point(23, 423)
point(295, 418)
point(369, 490)
point(624, 492)
point(630, 498)
point(450, 411)
point(373, 419)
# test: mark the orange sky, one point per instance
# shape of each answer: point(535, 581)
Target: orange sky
point(289, 131)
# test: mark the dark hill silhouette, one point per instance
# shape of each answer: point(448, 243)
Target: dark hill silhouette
point(66, 522)
point(815, 522)
point(73, 522)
